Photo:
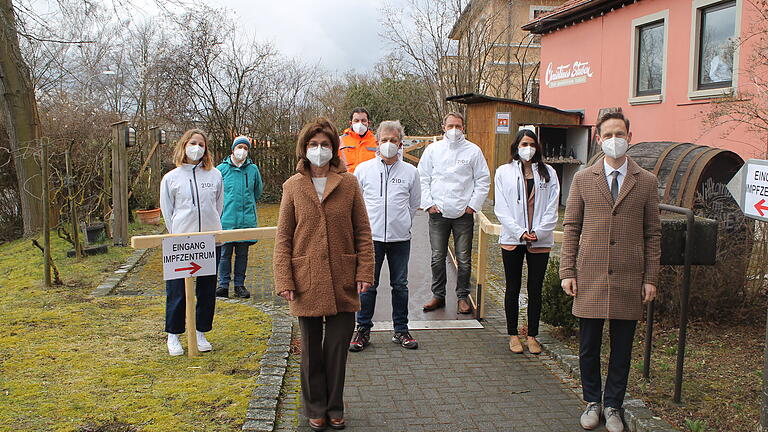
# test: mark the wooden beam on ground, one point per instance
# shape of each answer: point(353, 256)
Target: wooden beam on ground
point(148, 241)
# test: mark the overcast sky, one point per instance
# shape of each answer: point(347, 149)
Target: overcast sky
point(340, 34)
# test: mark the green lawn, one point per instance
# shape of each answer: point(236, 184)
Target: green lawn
point(72, 362)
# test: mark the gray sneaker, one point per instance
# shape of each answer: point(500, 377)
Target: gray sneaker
point(613, 421)
point(590, 418)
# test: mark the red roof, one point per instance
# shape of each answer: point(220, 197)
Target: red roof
point(569, 4)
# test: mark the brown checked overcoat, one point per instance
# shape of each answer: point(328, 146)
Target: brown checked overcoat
point(322, 249)
point(611, 250)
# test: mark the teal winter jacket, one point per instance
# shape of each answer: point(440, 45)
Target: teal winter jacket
point(242, 188)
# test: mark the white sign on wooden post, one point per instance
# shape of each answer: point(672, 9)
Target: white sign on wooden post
point(189, 256)
point(749, 188)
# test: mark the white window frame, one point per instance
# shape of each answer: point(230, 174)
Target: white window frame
point(535, 8)
point(634, 99)
point(694, 92)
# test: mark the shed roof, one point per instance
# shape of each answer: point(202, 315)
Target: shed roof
point(475, 98)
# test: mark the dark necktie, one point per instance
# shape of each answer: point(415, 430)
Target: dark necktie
point(615, 186)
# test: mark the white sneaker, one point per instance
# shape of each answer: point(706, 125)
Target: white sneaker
point(202, 343)
point(174, 346)
point(613, 421)
point(590, 419)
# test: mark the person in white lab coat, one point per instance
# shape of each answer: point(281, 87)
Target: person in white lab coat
point(454, 185)
point(526, 192)
point(191, 199)
point(392, 193)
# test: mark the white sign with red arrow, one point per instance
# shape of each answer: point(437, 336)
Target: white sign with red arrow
point(189, 256)
point(750, 189)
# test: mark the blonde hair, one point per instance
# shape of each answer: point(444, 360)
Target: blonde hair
point(180, 155)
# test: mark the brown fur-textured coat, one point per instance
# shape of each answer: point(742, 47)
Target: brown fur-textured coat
point(611, 250)
point(322, 249)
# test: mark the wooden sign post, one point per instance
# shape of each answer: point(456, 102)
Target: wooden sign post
point(194, 256)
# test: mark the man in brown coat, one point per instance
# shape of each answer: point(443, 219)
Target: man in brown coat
point(610, 263)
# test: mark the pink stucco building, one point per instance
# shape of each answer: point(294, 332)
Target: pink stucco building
point(664, 62)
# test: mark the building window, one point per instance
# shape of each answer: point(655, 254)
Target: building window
point(716, 45)
point(649, 58)
point(714, 57)
point(536, 12)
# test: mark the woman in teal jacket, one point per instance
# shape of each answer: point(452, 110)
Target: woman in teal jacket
point(242, 188)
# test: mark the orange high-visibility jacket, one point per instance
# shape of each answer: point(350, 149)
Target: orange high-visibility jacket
point(355, 149)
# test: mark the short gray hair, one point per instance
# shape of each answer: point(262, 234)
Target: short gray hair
point(390, 125)
point(458, 115)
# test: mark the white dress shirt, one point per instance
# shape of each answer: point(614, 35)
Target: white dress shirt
point(609, 173)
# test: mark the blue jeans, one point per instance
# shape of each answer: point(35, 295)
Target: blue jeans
point(397, 254)
point(175, 303)
point(240, 250)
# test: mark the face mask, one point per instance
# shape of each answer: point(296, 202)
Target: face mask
point(615, 147)
point(359, 128)
point(319, 156)
point(454, 135)
point(194, 152)
point(526, 153)
point(240, 154)
point(388, 149)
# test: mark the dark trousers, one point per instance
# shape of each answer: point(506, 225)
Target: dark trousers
point(440, 228)
point(397, 255)
point(240, 251)
point(324, 348)
point(176, 303)
point(513, 270)
point(590, 339)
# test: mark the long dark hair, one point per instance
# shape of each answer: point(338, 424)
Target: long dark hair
point(542, 167)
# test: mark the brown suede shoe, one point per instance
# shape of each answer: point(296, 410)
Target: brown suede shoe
point(337, 424)
point(533, 345)
point(464, 307)
point(317, 424)
point(514, 344)
point(435, 303)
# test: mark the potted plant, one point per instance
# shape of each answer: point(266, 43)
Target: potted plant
point(147, 200)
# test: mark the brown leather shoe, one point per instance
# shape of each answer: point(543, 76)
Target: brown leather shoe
point(435, 303)
point(464, 307)
point(514, 344)
point(317, 424)
point(337, 424)
point(533, 345)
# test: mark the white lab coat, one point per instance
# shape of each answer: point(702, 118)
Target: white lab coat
point(453, 177)
point(511, 205)
point(192, 199)
point(392, 194)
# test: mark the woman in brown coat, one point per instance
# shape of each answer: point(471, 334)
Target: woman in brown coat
point(323, 260)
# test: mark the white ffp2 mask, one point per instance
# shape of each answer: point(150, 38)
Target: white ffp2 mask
point(319, 156)
point(615, 147)
point(359, 128)
point(240, 154)
point(454, 135)
point(388, 149)
point(526, 153)
point(194, 152)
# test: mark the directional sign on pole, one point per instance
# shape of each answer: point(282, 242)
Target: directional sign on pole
point(749, 188)
point(189, 256)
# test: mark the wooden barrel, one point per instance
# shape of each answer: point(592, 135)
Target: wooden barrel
point(682, 168)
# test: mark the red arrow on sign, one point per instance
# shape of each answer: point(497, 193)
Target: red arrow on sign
point(195, 267)
point(760, 207)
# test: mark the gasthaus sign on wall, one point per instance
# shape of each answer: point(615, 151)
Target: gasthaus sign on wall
point(567, 74)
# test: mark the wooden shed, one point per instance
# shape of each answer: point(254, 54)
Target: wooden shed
point(492, 124)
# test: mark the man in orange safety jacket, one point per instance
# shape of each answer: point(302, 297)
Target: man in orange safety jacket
point(358, 142)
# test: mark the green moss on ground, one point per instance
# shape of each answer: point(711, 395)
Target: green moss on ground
point(72, 362)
